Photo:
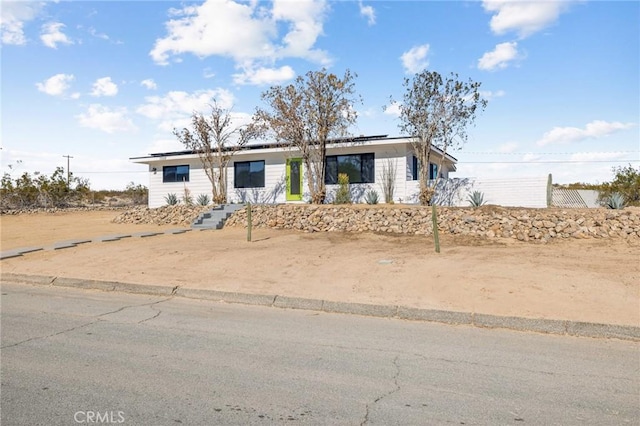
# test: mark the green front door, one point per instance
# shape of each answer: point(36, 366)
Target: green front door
point(294, 179)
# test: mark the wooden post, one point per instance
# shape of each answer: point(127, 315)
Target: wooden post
point(249, 221)
point(436, 236)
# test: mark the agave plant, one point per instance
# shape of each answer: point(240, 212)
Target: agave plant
point(171, 199)
point(476, 199)
point(371, 197)
point(203, 200)
point(615, 201)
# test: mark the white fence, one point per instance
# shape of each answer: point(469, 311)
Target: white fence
point(516, 192)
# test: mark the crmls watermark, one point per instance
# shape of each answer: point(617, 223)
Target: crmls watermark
point(97, 417)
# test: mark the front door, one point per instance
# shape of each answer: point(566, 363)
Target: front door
point(294, 179)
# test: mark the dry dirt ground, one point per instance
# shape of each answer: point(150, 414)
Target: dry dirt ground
point(582, 280)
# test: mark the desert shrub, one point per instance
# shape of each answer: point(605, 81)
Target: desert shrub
point(139, 194)
point(626, 182)
point(40, 190)
point(343, 194)
point(371, 197)
point(187, 198)
point(615, 201)
point(203, 200)
point(171, 199)
point(476, 199)
point(388, 180)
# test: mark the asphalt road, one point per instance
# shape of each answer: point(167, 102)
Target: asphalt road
point(85, 357)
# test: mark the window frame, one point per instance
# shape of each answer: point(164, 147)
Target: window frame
point(415, 169)
point(366, 159)
point(250, 184)
point(176, 174)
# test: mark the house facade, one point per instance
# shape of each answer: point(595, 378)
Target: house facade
point(275, 174)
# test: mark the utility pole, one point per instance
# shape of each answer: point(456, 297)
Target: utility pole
point(68, 174)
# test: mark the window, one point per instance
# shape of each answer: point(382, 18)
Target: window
point(359, 167)
point(415, 169)
point(175, 174)
point(248, 174)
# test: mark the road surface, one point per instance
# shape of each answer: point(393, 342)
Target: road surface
point(87, 357)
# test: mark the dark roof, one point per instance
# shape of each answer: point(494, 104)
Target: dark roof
point(352, 139)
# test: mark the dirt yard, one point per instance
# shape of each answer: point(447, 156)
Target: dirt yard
point(585, 280)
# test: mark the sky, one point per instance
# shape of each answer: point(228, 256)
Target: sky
point(102, 82)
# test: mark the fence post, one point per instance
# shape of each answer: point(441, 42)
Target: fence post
point(549, 190)
point(436, 236)
point(249, 221)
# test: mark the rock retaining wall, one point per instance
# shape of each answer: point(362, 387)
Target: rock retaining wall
point(167, 215)
point(487, 221)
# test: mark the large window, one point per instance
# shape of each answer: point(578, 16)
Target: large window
point(175, 174)
point(359, 167)
point(415, 169)
point(248, 174)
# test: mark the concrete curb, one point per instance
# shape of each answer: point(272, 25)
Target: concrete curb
point(547, 326)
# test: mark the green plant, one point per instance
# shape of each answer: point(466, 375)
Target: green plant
point(203, 200)
point(171, 199)
point(615, 201)
point(343, 194)
point(187, 198)
point(388, 180)
point(626, 182)
point(371, 197)
point(476, 199)
point(139, 194)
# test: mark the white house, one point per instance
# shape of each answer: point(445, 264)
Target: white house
point(270, 173)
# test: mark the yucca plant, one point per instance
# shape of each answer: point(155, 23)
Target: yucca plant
point(171, 199)
point(203, 200)
point(371, 197)
point(343, 193)
point(476, 199)
point(615, 201)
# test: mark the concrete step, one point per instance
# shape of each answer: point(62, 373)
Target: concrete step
point(215, 218)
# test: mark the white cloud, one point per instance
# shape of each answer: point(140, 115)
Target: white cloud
point(175, 108)
point(96, 34)
point(265, 76)
point(489, 95)
point(13, 17)
point(106, 119)
point(595, 129)
point(415, 60)
point(56, 85)
point(523, 17)
point(52, 35)
point(207, 73)
point(149, 84)
point(104, 87)
point(246, 32)
point(368, 12)
point(393, 109)
point(500, 57)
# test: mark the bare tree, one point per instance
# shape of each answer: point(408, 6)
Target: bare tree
point(306, 114)
point(215, 139)
point(437, 112)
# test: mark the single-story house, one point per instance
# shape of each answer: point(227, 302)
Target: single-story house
point(271, 173)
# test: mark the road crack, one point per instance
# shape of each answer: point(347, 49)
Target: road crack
point(381, 397)
point(98, 319)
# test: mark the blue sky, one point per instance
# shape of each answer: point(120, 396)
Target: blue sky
point(106, 81)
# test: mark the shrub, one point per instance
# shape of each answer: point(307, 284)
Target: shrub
point(388, 180)
point(343, 194)
point(171, 199)
point(203, 200)
point(371, 197)
point(187, 198)
point(476, 199)
point(139, 194)
point(626, 182)
point(615, 201)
